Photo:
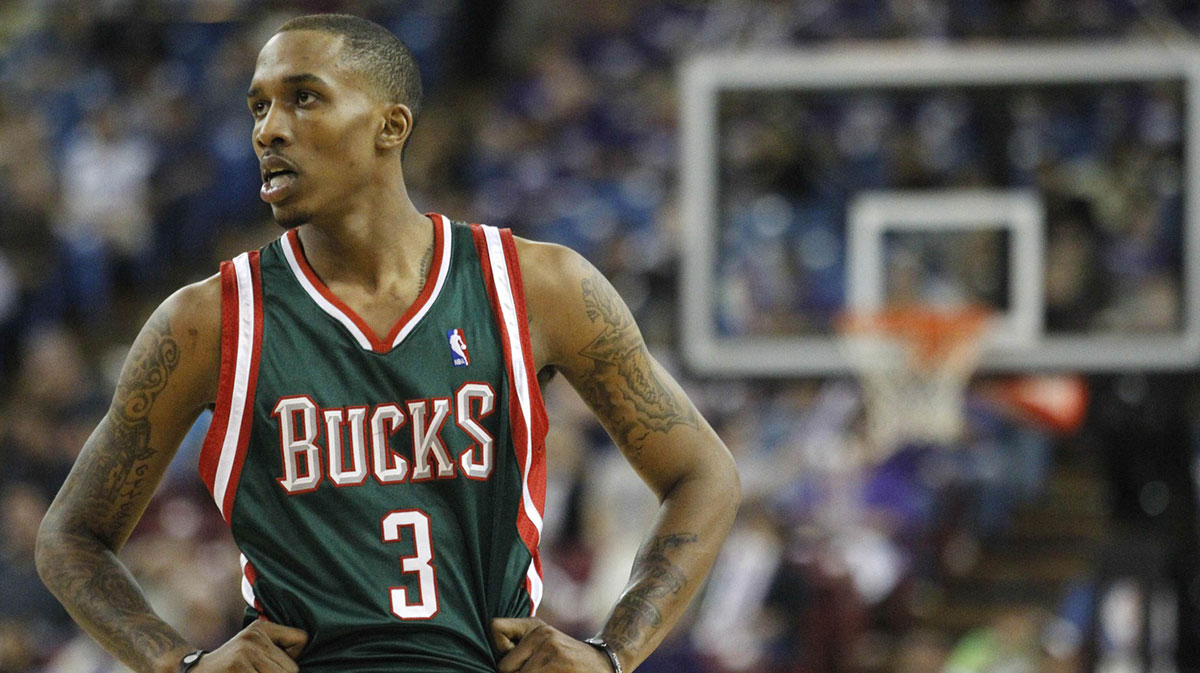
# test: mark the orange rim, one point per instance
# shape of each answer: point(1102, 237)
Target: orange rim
point(932, 332)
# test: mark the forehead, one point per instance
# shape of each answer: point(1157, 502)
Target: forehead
point(301, 51)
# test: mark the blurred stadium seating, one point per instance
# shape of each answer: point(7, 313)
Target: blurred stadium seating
point(126, 171)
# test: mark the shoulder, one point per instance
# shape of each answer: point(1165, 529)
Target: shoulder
point(555, 278)
point(195, 308)
point(569, 301)
point(545, 267)
point(548, 273)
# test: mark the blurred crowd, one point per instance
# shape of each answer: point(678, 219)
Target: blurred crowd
point(1105, 159)
point(126, 170)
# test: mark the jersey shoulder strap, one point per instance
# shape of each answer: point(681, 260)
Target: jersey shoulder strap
point(502, 275)
point(224, 447)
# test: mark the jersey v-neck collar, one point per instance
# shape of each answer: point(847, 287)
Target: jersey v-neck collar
point(356, 326)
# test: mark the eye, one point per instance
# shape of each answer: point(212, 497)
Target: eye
point(258, 108)
point(305, 97)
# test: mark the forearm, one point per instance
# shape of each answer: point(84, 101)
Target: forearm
point(671, 565)
point(103, 598)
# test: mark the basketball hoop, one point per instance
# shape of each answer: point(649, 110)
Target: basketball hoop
point(913, 364)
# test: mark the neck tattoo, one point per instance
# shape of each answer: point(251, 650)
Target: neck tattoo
point(426, 260)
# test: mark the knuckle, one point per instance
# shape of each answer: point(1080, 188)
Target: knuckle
point(258, 638)
point(547, 661)
point(561, 644)
point(239, 639)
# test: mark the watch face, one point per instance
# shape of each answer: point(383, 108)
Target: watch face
point(191, 658)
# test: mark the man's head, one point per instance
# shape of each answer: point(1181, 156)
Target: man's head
point(334, 98)
point(386, 64)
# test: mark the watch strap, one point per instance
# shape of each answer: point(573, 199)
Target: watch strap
point(602, 645)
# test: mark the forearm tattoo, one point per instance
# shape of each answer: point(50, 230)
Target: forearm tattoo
point(111, 478)
point(104, 598)
point(655, 580)
point(624, 389)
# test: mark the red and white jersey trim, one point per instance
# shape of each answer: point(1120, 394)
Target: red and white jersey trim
point(338, 310)
point(502, 273)
point(224, 448)
point(249, 577)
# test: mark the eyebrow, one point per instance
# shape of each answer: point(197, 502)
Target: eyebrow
point(300, 78)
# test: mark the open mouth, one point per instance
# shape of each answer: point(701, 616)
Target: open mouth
point(279, 177)
point(277, 184)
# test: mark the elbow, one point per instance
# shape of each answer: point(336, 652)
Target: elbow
point(55, 544)
point(49, 543)
point(730, 489)
point(722, 490)
point(53, 539)
point(717, 487)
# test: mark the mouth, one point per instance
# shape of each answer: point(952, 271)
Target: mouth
point(279, 179)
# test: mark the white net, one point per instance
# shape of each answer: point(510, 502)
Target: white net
point(913, 366)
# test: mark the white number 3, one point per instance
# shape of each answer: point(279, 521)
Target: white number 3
point(418, 563)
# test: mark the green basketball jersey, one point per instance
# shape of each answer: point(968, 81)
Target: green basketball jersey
point(385, 493)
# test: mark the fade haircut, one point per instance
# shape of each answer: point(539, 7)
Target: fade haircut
point(386, 62)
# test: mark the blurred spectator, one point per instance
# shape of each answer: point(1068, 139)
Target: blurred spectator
point(105, 226)
point(56, 406)
point(28, 255)
point(32, 622)
point(732, 629)
point(921, 651)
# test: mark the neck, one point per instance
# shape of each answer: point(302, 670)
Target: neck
point(376, 246)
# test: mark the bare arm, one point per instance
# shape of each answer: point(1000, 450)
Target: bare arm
point(583, 328)
point(169, 375)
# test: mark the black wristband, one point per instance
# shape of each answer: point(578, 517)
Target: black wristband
point(601, 645)
point(189, 661)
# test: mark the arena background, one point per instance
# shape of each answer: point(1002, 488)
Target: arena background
point(719, 193)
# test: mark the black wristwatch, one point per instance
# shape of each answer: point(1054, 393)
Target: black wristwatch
point(189, 661)
point(600, 644)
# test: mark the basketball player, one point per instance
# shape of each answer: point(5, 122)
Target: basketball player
point(377, 435)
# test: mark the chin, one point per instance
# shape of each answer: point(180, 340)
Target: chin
point(290, 219)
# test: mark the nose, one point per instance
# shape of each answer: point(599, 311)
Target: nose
point(272, 128)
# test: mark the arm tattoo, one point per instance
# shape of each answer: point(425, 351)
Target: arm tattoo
point(655, 577)
point(642, 404)
point(104, 598)
point(115, 473)
point(125, 468)
point(108, 484)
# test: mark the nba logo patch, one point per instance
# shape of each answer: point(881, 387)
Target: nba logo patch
point(458, 348)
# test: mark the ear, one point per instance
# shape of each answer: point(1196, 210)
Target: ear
point(397, 126)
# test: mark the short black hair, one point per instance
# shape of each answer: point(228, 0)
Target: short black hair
point(387, 63)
